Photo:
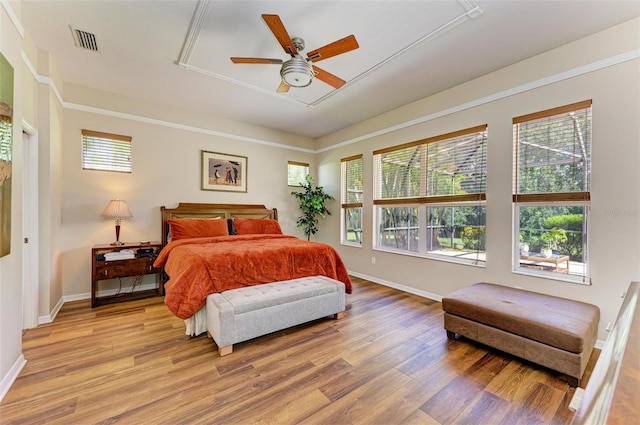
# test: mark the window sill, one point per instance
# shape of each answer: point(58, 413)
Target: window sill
point(563, 277)
point(353, 244)
point(443, 258)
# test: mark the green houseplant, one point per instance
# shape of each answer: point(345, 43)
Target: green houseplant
point(311, 202)
point(552, 239)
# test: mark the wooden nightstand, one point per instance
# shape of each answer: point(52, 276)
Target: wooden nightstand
point(112, 269)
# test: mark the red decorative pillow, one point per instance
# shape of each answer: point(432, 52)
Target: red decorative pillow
point(194, 228)
point(257, 226)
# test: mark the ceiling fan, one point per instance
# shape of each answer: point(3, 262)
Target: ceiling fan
point(298, 71)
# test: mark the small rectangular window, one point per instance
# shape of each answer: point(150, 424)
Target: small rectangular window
point(351, 170)
point(106, 152)
point(297, 173)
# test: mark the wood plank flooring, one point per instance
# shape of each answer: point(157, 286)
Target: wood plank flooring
point(388, 361)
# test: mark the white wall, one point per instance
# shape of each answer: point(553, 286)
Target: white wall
point(11, 359)
point(614, 233)
point(50, 166)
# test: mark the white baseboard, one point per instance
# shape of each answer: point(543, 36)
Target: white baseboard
point(51, 316)
point(11, 376)
point(85, 296)
point(414, 291)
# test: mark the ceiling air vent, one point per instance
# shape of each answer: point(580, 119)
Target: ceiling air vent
point(85, 40)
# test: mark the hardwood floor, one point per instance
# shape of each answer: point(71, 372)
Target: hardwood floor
point(388, 361)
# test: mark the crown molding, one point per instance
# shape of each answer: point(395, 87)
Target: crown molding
point(13, 17)
point(146, 120)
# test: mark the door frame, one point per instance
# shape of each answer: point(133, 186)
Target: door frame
point(30, 259)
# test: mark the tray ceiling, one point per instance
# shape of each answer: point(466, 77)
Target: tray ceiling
point(176, 53)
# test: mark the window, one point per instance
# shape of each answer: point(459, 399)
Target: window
point(297, 173)
point(351, 170)
point(552, 173)
point(106, 152)
point(429, 197)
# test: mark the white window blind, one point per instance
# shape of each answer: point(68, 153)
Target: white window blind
point(553, 154)
point(450, 167)
point(106, 152)
point(351, 181)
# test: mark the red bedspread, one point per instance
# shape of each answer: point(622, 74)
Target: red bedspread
point(200, 266)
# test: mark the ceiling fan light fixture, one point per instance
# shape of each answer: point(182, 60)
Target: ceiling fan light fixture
point(296, 72)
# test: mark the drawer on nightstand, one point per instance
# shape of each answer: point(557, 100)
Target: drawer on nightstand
point(125, 268)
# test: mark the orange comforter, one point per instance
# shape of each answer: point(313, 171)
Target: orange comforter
point(200, 266)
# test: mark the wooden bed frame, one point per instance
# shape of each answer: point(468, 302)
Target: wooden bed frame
point(191, 210)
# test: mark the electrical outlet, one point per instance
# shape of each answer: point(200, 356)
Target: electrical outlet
point(373, 260)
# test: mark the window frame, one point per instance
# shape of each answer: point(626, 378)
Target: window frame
point(296, 164)
point(114, 147)
point(346, 206)
point(554, 199)
point(423, 199)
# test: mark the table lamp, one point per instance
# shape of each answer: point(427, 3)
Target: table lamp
point(118, 209)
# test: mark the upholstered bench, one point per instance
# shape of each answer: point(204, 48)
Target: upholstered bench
point(241, 314)
point(554, 332)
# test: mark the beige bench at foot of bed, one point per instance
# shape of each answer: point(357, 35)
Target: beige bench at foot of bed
point(241, 314)
point(554, 332)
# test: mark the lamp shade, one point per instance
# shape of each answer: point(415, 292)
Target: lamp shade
point(117, 208)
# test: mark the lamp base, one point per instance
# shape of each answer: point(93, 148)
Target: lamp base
point(117, 242)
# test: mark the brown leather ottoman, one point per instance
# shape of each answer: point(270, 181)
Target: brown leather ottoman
point(554, 332)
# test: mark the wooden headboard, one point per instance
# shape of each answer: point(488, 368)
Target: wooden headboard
point(189, 210)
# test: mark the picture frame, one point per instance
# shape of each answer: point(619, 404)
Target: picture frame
point(6, 153)
point(223, 172)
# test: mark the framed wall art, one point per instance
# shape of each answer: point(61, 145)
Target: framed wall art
point(6, 153)
point(224, 172)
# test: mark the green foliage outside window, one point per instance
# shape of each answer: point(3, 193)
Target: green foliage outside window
point(474, 238)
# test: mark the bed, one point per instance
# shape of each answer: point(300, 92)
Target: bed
point(209, 248)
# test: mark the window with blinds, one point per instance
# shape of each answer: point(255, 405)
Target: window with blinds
point(430, 195)
point(551, 183)
point(297, 173)
point(106, 152)
point(351, 177)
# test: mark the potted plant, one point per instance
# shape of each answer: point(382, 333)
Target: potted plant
point(551, 239)
point(311, 202)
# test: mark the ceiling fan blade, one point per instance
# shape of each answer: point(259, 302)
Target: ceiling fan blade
point(256, 60)
point(283, 88)
point(333, 49)
point(328, 78)
point(277, 28)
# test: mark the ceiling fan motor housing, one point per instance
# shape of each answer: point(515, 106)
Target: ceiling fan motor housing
point(296, 72)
